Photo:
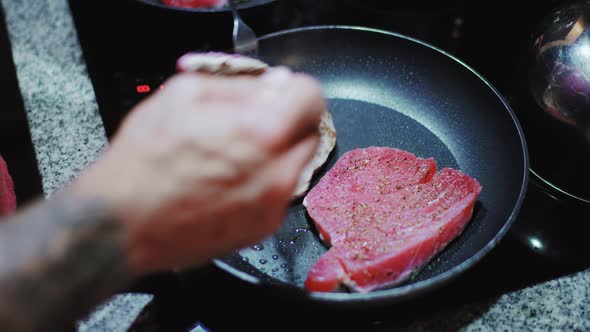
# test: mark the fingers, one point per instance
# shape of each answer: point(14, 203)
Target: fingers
point(286, 171)
point(276, 183)
point(277, 76)
point(296, 112)
point(203, 88)
point(280, 108)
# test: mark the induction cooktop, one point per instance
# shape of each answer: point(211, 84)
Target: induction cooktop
point(547, 240)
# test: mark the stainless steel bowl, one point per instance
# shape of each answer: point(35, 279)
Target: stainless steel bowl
point(560, 79)
point(560, 84)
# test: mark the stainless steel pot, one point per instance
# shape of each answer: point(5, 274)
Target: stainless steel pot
point(560, 83)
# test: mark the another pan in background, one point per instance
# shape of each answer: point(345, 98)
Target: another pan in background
point(243, 4)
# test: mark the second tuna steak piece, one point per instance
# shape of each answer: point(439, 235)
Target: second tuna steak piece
point(385, 213)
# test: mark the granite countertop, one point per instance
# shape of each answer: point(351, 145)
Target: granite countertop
point(67, 132)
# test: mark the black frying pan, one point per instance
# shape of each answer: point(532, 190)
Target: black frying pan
point(385, 89)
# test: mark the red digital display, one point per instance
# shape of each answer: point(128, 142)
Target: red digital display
point(143, 88)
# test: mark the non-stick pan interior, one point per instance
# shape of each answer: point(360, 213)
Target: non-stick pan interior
point(388, 90)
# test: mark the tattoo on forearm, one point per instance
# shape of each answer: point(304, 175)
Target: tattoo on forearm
point(58, 260)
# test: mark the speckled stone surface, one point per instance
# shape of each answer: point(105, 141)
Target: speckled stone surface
point(66, 128)
point(117, 314)
point(65, 124)
point(68, 135)
point(558, 305)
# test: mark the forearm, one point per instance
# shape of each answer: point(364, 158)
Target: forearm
point(58, 259)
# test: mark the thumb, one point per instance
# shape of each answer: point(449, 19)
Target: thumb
point(289, 167)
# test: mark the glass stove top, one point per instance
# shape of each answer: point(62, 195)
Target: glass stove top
point(547, 240)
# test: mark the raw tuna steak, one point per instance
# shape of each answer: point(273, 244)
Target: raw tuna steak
point(385, 213)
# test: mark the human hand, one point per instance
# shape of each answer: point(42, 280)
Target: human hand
point(207, 165)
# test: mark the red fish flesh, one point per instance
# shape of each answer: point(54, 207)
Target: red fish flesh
point(7, 197)
point(385, 213)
